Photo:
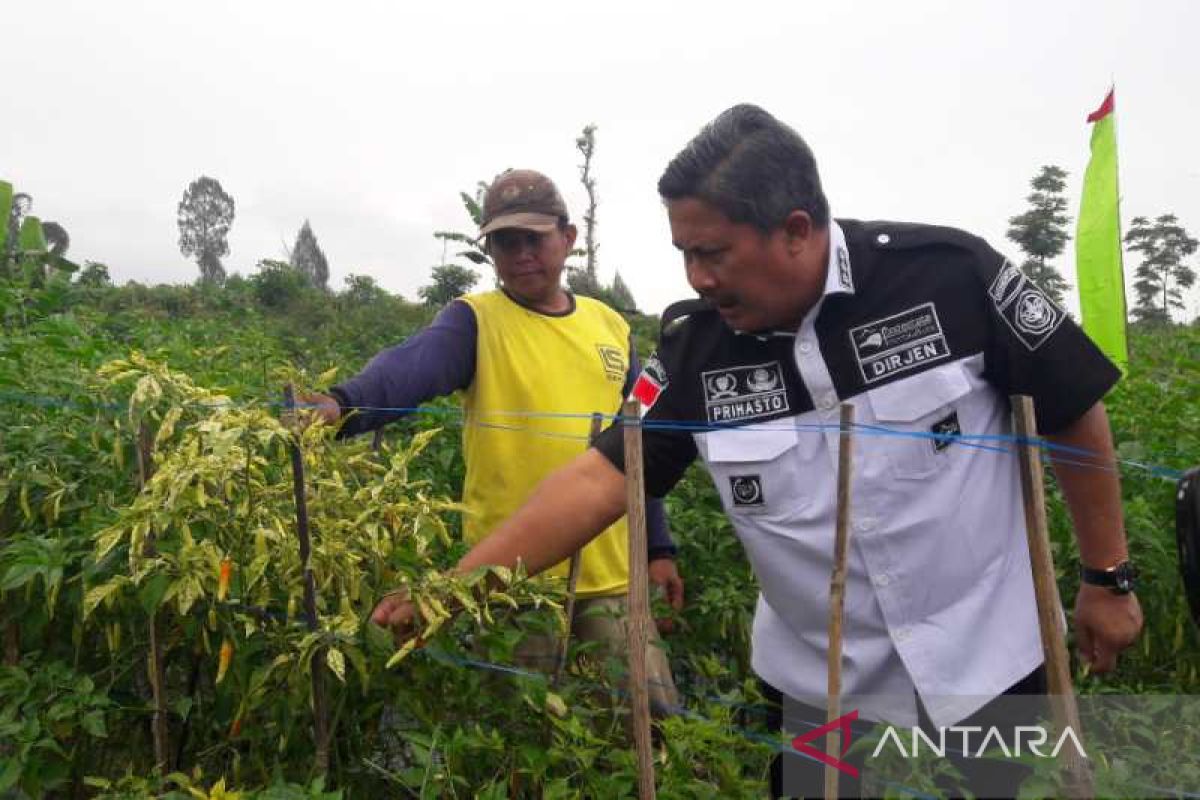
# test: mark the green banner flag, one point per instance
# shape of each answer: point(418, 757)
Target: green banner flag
point(1098, 267)
point(6, 196)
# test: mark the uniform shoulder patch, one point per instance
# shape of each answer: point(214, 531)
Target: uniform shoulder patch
point(1029, 313)
point(650, 384)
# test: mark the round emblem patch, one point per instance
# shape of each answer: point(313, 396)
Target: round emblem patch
point(761, 380)
point(747, 490)
point(1034, 313)
point(722, 386)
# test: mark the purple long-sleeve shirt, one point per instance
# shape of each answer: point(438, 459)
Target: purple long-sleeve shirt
point(440, 360)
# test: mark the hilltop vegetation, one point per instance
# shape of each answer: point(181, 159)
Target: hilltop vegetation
point(201, 366)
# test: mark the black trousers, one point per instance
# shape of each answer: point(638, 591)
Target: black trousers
point(984, 777)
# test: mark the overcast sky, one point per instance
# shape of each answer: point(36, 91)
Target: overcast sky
point(368, 118)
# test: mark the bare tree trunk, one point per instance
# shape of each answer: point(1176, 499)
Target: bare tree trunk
point(586, 144)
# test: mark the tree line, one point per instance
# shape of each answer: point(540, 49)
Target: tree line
point(206, 211)
point(1164, 245)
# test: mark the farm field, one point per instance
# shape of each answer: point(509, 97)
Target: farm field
point(190, 559)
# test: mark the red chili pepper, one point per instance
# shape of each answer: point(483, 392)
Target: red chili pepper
point(223, 578)
point(223, 659)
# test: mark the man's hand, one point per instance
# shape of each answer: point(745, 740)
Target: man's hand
point(319, 406)
point(396, 612)
point(1105, 624)
point(665, 576)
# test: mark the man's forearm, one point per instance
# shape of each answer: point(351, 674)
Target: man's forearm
point(567, 510)
point(1092, 488)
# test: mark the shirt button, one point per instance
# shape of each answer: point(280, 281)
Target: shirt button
point(883, 238)
point(828, 402)
point(865, 524)
point(806, 347)
point(903, 634)
point(881, 580)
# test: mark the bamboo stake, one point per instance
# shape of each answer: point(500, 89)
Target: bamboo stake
point(639, 601)
point(573, 577)
point(1049, 605)
point(320, 703)
point(837, 595)
point(156, 667)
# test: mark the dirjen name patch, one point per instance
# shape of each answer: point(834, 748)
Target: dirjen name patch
point(899, 343)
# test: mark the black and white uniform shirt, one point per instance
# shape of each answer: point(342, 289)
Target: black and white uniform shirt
point(926, 331)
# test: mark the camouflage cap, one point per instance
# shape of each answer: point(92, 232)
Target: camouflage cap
point(522, 198)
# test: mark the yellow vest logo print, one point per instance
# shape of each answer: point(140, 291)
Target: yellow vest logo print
point(613, 359)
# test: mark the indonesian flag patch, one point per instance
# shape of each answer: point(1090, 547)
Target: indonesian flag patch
point(649, 384)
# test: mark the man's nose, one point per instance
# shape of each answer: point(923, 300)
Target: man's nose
point(700, 278)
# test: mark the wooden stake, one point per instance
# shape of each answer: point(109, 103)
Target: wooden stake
point(1045, 587)
point(155, 664)
point(320, 702)
point(573, 577)
point(837, 594)
point(639, 600)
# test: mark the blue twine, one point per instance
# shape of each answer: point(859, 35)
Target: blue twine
point(965, 439)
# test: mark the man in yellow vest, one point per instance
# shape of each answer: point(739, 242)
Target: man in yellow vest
point(533, 361)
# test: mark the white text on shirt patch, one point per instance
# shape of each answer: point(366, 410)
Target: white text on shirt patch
point(741, 393)
point(899, 343)
point(845, 277)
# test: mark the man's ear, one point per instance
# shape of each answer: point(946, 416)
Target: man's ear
point(570, 233)
point(799, 229)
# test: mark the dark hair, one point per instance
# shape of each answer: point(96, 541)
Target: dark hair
point(751, 167)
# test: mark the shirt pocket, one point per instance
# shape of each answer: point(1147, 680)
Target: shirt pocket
point(909, 412)
point(756, 468)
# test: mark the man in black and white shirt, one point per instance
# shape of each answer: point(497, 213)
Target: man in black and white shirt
point(926, 331)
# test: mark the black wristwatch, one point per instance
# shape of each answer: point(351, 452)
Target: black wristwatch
point(1121, 579)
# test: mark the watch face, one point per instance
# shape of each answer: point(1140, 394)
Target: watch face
point(1124, 578)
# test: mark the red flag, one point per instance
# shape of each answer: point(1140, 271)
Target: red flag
point(1104, 110)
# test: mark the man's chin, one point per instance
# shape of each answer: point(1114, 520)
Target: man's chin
point(737, 319)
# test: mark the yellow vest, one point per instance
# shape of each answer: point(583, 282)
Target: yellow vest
point(570, 365)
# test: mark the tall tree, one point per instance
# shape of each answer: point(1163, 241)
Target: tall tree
point(57, 238)
point(94, 274)
point(21, 203)
point(1041, 232)
point(586, 145)
point(205, 216)
point(449, 281)
point(362, 290)
point(1162, 275)
point(621, 297)
point(306, 256)
point(583, 280)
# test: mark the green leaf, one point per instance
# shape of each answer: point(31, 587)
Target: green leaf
point(150, 596)
point(555, 705)
point(93, 723)
point(98, 594)
point(32, 239)
point(337, 663)
point(63, 264)
point(18, 575)
point(11, 774)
